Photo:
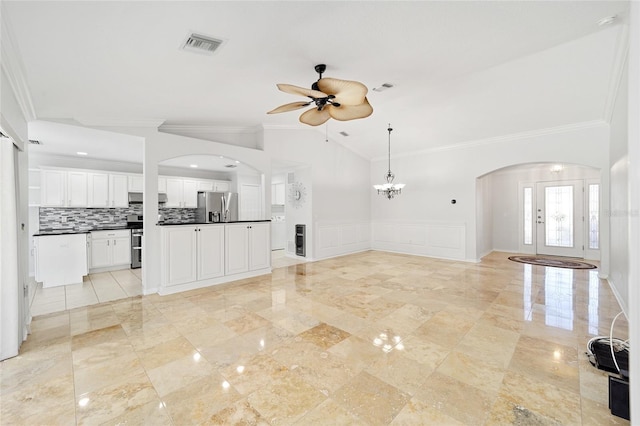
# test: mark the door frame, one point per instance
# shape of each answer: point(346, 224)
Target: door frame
point(530, 248)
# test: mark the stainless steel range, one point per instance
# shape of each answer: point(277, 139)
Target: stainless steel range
point(134, 222)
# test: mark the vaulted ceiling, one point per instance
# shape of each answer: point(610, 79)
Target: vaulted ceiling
point(461, 71)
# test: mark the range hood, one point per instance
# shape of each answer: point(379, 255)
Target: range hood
point(136, 198)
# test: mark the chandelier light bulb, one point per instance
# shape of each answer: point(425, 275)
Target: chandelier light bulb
point(389, 189)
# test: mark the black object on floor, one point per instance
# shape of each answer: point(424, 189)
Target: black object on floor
point(601, 351)
point(619, 397)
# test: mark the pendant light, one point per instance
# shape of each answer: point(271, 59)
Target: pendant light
point(389, 189)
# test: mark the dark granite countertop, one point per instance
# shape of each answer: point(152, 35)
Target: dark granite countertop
point(65, 231)
point(168, 223)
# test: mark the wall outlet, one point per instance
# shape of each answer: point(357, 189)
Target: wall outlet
point(63, 219)
point(110, 218)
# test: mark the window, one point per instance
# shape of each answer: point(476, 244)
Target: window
point(594, 216)
point(527, 197)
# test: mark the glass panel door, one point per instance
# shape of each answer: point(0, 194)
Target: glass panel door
point(559, 218)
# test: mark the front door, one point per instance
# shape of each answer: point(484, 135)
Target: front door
point(559, 218)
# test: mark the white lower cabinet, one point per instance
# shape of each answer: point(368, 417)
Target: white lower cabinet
point(247, 247)
point(110, 249)
point(197, 255)
point(60, 259)
point(193, 253)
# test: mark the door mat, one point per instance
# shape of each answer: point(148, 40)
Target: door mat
point(553, 262)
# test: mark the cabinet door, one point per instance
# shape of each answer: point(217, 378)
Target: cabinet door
point(190, 188)
point(180, 255)
point(136, 183)
point(259, 246)
point(53, 187)
point(101, 252)
point(210, 251)
point(206, 185)
point(174, 193)
point(121, 250)
point(77, 189)
point(118, 191)
point(236, 259)
point(221, 187)
point(98, 190)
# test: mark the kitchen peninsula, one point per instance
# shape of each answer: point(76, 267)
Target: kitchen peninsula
point(196, 255)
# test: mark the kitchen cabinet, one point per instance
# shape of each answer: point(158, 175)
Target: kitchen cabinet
point(118, 190)
point(182, 193)
point(136, 183)
point(60, 259)
point(247, 247)
point(107, 190)
point(61, 188)
point(110, 249)
point(277, 193)
point(205, 185)
point(221, 186)
point(192, 253)
point(162, 185)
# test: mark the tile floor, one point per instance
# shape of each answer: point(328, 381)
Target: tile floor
point(367, 339)
point(96, 288)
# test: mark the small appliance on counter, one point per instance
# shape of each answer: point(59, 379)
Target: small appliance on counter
point(217, 207)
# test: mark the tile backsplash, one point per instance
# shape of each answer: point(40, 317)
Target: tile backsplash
point(85, 218)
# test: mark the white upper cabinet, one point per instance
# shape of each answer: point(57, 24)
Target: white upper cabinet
point(136, 183)
point(62, 188)
point(53, 188)
point(206, 185)
point(175, 192)
point(190, 193)
point(98, 189)
point(118, 191)
point(220, 186)
point(107, 190)
point(162, 185)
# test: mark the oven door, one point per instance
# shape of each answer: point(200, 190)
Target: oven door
point(136, 249)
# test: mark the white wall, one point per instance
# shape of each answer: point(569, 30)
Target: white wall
point(619, 212)
point(435, 177)
point(340, 186)
point(486, 211)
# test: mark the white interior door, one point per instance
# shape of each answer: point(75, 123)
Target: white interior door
point(560, 218)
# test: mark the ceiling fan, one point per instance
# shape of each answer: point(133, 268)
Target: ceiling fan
point(341, 100)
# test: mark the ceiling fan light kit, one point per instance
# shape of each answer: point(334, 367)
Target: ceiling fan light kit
point(389, 189)
point(342, 100)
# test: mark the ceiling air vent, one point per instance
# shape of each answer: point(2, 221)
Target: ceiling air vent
point(231, 166)
point(34, 142)
point(201, 44)
point(344, 134)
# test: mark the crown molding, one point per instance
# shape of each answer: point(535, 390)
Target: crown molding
point(505, 138)
point(14, 70)
point(119, 122)
point(203, 128)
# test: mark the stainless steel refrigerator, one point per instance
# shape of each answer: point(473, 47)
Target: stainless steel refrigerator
point(217, 206)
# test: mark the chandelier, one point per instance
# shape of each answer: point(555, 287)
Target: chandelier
point(389, 189)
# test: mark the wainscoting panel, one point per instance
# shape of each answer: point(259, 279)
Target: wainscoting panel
point(336, 239)
point(444, 240)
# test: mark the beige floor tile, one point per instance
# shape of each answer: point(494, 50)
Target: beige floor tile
point(370, 338)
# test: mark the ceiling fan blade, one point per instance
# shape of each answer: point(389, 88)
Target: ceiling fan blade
point(350, 112)
point(288, 107)
point(295, 90)
point(313, 117)
point(346, 92)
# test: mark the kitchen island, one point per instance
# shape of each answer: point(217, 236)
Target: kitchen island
point(196, 255)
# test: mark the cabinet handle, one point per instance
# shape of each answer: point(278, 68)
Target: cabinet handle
point(107, 242)
point(115, 242)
